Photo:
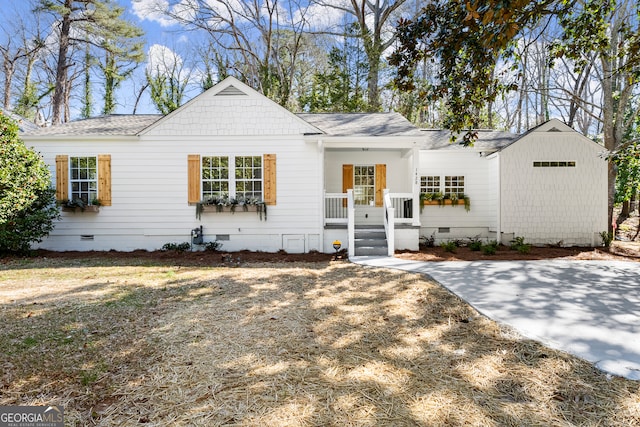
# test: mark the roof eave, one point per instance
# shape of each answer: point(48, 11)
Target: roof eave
point(85, 137)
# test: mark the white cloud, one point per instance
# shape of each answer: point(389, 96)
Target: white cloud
point(152, 10)
point(163, 60)
point(321, 16)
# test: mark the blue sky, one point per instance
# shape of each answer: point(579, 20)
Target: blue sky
point(163, 38)
point(171, 36)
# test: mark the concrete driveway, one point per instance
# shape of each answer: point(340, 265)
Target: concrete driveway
point(588, 308)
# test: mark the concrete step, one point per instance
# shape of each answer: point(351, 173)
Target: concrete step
point(371, 250)
point(370, 234)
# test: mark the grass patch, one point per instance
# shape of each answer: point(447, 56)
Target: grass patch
point(284, 344)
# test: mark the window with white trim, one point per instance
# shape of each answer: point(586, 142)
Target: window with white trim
point(83, 178)
point(451, 184)
point(454, 185)
point(249, 177)
point(430, 184)
point(215, 176)
point(244, 181)
point(364, 188)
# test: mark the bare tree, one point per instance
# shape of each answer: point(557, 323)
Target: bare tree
point(375, 20)
point(257, 41)
point(18, 51)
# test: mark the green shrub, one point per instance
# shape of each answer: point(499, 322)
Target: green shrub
point(607, 238)
point(430, 241)
point(212, 246)
point(490, 248)
point(27, 201)
point(177, 247)
point(449, 246)
point(475, 244)
point(518, 244)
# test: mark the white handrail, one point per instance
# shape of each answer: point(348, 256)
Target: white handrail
point(351, 223)
point(389, 223)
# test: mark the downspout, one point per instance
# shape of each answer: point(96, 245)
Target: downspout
point(322, 192)
point(499, 213)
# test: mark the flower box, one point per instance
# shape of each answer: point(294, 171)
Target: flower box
point(90, 208)
point(232, 209)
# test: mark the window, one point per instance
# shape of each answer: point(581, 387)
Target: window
point(454, 185)
point(215, 176)
point(560, 164)
point(83, 178)
point(429, 184)
point(364, 184)
point(249, 177)
point(243, 182)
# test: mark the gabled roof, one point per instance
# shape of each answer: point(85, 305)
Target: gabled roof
point(488, 140)
point(552, 125)
point(361, 124)
point(113, 125)
point(224, 102)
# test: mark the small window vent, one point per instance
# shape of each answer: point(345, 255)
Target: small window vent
point(231, 91)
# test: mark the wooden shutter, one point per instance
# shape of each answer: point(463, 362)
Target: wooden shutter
point(347, 180)
point(104, 179)
point(381, 183)
point(193, 171)
point(62, 178)
point(269, 166)
point(347, 177)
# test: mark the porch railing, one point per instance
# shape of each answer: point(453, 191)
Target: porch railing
point(403, 206)
point(335, 208)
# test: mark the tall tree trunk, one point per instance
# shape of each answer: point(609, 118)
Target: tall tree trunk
point(58, 100)
point(8, 77)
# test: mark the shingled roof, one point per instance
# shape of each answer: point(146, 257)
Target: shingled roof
point(361, 124)
point(24, 124)
point(488, 140)
point(116, 124)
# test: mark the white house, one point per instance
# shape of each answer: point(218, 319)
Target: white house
point(356, 178)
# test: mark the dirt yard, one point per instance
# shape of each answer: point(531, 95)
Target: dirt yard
point(213, 340)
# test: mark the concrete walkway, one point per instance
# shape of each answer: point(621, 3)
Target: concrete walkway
point(588, 308)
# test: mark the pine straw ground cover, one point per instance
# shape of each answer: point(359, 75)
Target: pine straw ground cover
point(291, 344)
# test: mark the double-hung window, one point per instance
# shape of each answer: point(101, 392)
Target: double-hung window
point(237, 177)
point(215, 176)
point(83, 178)
point(249, 177)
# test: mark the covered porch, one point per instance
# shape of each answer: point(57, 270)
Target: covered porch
point(370, 183)
point(371, 198)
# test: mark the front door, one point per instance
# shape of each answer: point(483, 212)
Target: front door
point(368, 182)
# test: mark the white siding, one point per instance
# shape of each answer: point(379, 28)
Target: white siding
point(149, 180)
point(554, 204)
point(149, 195)
point(480, 186)
point(398, 180)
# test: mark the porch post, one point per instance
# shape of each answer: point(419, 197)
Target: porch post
point(415, 188)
